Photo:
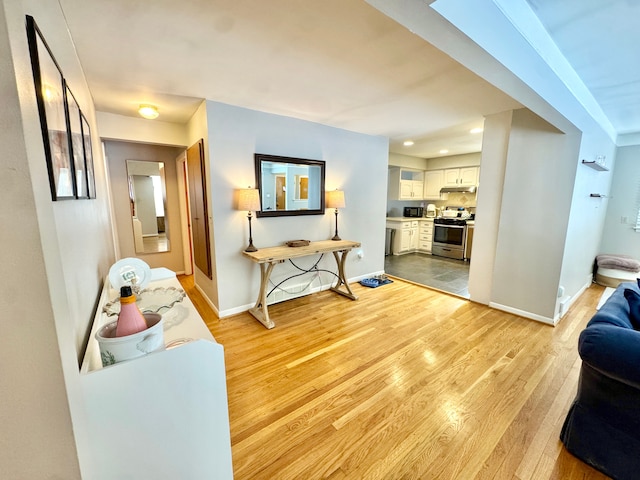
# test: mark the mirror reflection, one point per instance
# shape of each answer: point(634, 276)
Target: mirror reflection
point(147, 199)
point(289, 186)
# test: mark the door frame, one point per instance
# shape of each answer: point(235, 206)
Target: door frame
point(185, 214)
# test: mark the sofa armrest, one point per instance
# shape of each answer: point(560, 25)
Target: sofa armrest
point(613, 351)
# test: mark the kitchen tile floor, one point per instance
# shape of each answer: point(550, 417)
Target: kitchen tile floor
point(438, 272)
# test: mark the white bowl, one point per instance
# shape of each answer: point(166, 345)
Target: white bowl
point(118, 349)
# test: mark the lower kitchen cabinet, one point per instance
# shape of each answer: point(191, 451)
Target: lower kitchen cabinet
point(406, 236)
point(412, 235)
point(425, 235)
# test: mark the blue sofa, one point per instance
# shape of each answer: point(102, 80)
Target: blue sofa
point(602, 427)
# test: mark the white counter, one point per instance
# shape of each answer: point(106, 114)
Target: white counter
point(163, 415)
point(182, 321)
point(408, 219)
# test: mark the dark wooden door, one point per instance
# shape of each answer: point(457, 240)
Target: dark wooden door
point(280, 193)
point(198, 208)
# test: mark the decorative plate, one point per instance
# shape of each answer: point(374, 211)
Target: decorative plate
point(150, 300)
point(129, 271)
point(177, 342)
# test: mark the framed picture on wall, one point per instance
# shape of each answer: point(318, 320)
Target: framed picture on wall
point(88, 156)
point(50, 96)
point(76, 146)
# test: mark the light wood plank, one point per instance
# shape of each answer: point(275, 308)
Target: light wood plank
point(404, 383)
point(284, 252)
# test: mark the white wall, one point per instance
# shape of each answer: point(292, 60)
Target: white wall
point(536, 201)
point(624, 202)
point(495, 143)
point(454, 161)
point(587, 218)
point(407, 161)
point(54, 258)
point(157, 132)
point(355, 163)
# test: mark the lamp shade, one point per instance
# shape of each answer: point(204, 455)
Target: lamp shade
point(248, 199)
point(335, 199)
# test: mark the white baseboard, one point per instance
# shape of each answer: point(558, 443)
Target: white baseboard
point(523, 313)
point(206, 298)
point(569, 301)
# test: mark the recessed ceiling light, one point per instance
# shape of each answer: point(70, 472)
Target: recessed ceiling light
point(476, 130)
point(148, 111)
point(408, 143)
point(444, 151)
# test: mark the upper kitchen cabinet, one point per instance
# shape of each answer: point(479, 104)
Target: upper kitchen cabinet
point(405, 184)
point(461, 177)
point(433, 182)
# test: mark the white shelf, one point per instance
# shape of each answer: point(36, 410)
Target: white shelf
point(164, 415)
point(595, 166)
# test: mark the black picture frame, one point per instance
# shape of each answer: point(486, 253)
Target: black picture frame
point(52, 107)
point(266, 182)
point(88, 156)
point(76, 144)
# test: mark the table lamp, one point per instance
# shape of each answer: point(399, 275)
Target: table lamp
point(335, 199)
point(248, 199)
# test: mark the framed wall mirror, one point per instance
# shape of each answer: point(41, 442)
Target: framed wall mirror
point(289, 186)
point(148, 202)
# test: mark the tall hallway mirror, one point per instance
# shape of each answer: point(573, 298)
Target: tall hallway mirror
point(147, 199)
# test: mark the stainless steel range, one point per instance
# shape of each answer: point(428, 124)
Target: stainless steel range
point(449, 235)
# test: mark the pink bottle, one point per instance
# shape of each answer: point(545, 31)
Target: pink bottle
point(130, 320)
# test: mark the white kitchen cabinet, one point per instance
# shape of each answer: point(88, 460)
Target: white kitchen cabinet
point(469, 176)
point(461, 177)
point(425, 235)
point(405, 184)
point(169, 406)
point(406, 236)
point(433, 181)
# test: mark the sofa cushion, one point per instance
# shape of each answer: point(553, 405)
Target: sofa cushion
point(633, 298)
point(620, 262)
point(616, 310)
point(613, 351)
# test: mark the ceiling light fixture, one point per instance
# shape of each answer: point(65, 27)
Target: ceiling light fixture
point(408, 143)
point(476, 130)
point(444, 151)
point(148, 111)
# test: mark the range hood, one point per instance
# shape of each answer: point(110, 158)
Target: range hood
point(471, 189)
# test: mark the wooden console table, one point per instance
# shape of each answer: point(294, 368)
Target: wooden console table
point(267, 258)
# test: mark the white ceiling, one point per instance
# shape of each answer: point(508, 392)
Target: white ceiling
point(336, 62)
point(600, 40)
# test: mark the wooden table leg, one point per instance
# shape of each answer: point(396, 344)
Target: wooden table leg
point(341, 258)
point(260, 311)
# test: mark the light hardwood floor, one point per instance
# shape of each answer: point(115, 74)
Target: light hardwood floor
point(405, 383)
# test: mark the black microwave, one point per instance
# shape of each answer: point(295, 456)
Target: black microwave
point(413, 211)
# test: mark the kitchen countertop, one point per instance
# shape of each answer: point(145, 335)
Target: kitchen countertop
point(470, 223)
point(406, 219)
